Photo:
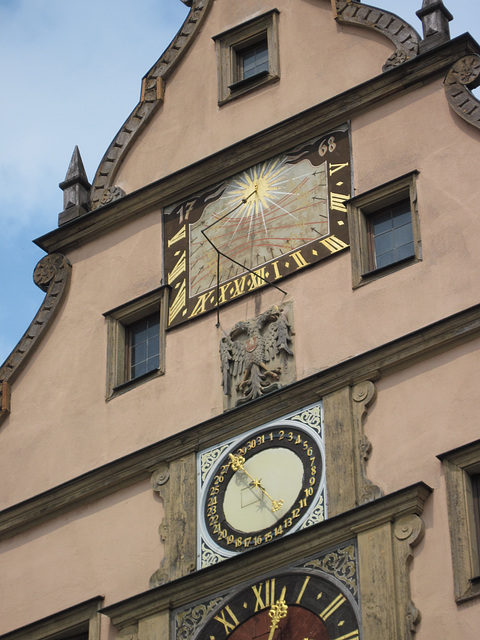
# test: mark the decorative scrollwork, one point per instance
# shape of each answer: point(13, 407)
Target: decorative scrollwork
point(317, 515)
point(209, 557)
point(311, 417)
point(159, 477)
point(342, 564)
point(209, 458)
point(187, 621)
point(462, 77)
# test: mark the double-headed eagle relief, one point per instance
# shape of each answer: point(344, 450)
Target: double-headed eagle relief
point(255, 356)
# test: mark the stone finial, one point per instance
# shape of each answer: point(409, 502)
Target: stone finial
point(188, 2)
point(435, 18)
point(76, 190)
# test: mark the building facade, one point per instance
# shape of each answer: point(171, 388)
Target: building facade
point(248, 406)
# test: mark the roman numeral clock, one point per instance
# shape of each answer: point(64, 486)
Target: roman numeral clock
point(261, 225)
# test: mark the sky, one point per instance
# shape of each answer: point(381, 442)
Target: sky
point(70, 75)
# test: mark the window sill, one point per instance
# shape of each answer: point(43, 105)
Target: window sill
point(242, 87)
point(130, 384)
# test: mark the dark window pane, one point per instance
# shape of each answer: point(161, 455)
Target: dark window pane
point(254, 60)
point(392, 233)
point(144, 346)
point(403, 235)
point(384, 243)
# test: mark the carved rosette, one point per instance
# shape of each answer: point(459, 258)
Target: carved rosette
point(462, 77)
point(52, 275)
point(363, 396)
point(408, 531)
point(111, 194)
point(399, 32)
point(152, 98)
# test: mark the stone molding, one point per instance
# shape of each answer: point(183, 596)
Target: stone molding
point(404, 37)
point(333, 112)
point(392, 511)
point(52, 275)
point(74, 620)
point(399, 354)
point(462, 77)
point(177, 529)
point(153, 87)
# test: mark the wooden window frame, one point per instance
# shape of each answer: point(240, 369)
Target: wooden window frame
point(362, 208)
point(230, 45)
point(460, 466)
point(118, 321)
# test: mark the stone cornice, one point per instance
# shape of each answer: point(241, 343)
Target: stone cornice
point(372, 365)
point(333, 531)
point(420, 70)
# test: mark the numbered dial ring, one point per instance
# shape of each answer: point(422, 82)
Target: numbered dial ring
point(264, 488)
point(293, 606)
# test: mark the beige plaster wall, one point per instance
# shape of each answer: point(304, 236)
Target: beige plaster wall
point(65, 420)
point(110, 549)
point(419, 413)
point(316, 63)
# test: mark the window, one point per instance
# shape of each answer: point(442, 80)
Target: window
point(248, 56)
point(135, 342)
point(462, 477)
point(80, 622)
point(384, 229)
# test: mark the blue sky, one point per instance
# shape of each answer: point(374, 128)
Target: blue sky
point(70, 75)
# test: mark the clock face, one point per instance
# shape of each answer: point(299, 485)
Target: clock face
point(263, 486)
point(294, 605)
point(259, 226)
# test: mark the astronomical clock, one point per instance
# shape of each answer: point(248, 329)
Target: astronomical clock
point(315, 599)
point(260, 486)
point(259, 226)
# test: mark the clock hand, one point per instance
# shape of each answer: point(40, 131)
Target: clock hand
point(237, 464)
point(277, 612)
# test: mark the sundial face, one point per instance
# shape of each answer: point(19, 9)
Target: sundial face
point(262, 224)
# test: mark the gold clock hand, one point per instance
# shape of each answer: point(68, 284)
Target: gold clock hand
point(277, 612)
point(237, 464)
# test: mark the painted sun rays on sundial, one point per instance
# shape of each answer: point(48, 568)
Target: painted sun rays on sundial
point(268, 210)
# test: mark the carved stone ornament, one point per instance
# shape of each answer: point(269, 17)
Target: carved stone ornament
point(363, 396)
point(462, 77)
point(111, 194)
point(409, 531)
point(52, 275)
point(256, 356)
point(403, 36)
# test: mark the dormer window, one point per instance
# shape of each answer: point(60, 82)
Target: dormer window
point(248, 56)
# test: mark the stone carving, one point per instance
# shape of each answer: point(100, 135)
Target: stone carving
point(177, 529)
point(462, 77)
point(363, 395)
point(189, 620)
point(435, 18)
point(76, 190)
point(52, 275)
point(342, 564)
point(408, 531)
point(403, 36)
point(111, 194)
point(152, 99)
point(247, 350)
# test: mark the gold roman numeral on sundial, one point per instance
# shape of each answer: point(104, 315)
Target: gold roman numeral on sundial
point(178, 236)
point(179, 268)
point(334, 244)
point(332, 168)
point(353, 635)
point(178, 304)
point(337, 200)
